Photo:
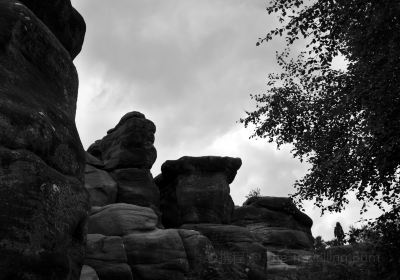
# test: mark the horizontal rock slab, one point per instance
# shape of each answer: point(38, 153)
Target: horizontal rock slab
point(257, 216)
point(111, 271)
point(283, 237)
point(281, 204)
point(128, 145)
point(101, 186)
point(136, 186)
point(158, 254)
point(121, 219)
point(206, 164)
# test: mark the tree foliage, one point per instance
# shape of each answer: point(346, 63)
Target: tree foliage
point(346, 124)
point(254, 193)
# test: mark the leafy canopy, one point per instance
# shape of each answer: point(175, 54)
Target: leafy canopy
point(346, 124)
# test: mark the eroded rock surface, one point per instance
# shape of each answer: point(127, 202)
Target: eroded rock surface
point(63, 21)
point(121, 219)
point(106, 254)
point(196, 190)
point(128, 145)
point(42, 199)
point(276, 222)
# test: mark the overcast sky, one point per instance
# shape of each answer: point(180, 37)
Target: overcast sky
point(189, 66)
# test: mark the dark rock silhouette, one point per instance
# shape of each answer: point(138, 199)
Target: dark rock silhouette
point(196, 190)
point(276, 222)
point(43, 204)
point(62, 20)
point(127, 154)
point(128, 145)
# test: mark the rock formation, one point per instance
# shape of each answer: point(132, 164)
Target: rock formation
point(127, 154)
point(205, 236)
point(276, 221)
point(196, 190)
point(43, 204)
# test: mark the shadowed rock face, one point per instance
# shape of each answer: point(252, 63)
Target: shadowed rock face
point(196, 190)
point(128, 145)
point(43, 204)
point(62, 20)
point(276, 221)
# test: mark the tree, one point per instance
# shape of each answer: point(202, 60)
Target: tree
point(339, 234)
point(254, 193)
point(346, 124)
point(319, 244)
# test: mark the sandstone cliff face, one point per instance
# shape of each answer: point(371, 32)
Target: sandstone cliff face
point(196, 190)
point(206, 238)
point(43, 205)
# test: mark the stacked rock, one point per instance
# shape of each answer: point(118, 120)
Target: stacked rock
point(195, 196)
point(206, 237)
point(127, 154)
point(125, 237)
point(43, 204)
point(279, 225)
point(196, 190)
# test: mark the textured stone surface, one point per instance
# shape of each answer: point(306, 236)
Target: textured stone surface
point(121, 219)
point(128, 145)
point(101, 186)
point(276, 222)
point(136, 186)
point(196, 190)
point(105, 248)
point(159, 254)
point(88, 273)
point(106, 254)
point(62, 20)
point(237, 249)
point(202, 258)
point(282, 204)
point(42, 199)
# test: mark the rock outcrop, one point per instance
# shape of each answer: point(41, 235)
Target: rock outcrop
point(196, 190)
point(206, 238)
point(43, 204)
point(276, 222)
point(127, 153)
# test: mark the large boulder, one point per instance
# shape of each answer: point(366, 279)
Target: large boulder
point(43, 203)
point(62, 20)
point(158, 254)
point(121, 219)
point(136, 186)
point(88, 273)
point(196, 190)
point(101, 186)
point(106, 254)
point(128, 145)
point(276, 222)
point(201, 256)
point(237, 249)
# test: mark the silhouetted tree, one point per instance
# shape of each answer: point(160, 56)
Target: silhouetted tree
point(339, 234)
point(346, 124)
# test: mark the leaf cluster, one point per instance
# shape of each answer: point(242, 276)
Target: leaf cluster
point(346, 124)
